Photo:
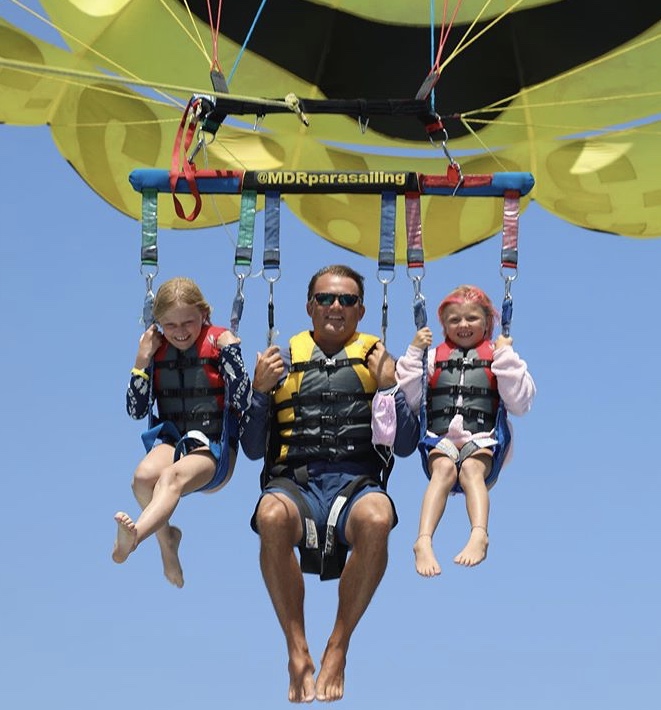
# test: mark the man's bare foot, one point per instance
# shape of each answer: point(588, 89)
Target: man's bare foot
point(170, 556)
point(330, 682)
point(476, 548)
point(301, 679)
point(426, 563)
point(126, 537)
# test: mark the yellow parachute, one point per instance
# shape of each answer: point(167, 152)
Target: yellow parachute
point(556, 89)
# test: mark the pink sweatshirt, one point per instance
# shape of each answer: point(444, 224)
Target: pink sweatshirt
point(515, 387)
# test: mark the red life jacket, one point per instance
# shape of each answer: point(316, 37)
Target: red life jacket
point(188, 385)
point(466, 374)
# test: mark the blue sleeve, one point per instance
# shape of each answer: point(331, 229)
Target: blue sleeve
point(137, 397)
point(408, 427)
point(254, 427)
point(236, 377)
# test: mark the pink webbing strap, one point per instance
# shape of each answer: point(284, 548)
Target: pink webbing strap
point(415, 254)
point(509, 254)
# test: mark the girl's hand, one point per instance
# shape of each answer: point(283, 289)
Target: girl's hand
point(422, 338)
point(226, 338)
point(150, 342)
point(501, 341)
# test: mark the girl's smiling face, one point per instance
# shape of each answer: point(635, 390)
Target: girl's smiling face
point(182, 325)
point(464, 324)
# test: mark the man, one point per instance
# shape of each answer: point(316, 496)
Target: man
point(319, 427)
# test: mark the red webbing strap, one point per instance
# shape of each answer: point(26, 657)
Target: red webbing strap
point(185, 133)
point(509, 254)
point(452, 180)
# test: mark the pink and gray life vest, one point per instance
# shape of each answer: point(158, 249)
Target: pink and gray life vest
point(462, 383)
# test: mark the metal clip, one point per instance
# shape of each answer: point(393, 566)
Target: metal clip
point(295, 105)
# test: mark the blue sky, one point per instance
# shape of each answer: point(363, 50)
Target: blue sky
point(565, 610)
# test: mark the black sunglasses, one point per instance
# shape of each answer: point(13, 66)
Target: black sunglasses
point(328, 299)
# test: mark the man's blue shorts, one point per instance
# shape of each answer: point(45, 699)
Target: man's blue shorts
point(321, 490)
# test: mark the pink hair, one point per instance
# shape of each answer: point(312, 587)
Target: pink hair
point(471, 294)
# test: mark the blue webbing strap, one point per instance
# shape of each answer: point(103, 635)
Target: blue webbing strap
point(271, 262)
point(386, 264)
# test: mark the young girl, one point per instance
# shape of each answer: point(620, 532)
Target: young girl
point(201, 388)
point(467, 378)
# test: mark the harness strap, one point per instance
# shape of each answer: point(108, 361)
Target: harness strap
point(195, 416)
point(467, 412)
point(358, 445)
point(182, 362)
point(327, 562)
point(328, 364)
point(461, 362)
point(464, 389)
point(324, 398)
point(325, 419)
point(334, 554)
point(192, 392)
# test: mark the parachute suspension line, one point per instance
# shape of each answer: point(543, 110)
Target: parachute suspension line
point(386, 262)
point(245, 41)
point(202, 109)
point(243, 254)
point(415, 270)
point(215, 31)
point(271, 261)
point(432, 50)
point(445, 32)
point(436, 132)
point(509, 254)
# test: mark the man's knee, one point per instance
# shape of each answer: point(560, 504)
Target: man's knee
point(371, 517)
point(276, 513)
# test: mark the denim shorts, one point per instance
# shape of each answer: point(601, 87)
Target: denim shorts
point(321, 490)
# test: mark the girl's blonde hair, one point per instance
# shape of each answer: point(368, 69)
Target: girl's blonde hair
point(180, 291)
point(471, 294)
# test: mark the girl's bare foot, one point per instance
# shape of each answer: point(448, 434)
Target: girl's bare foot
point(126, 537)
point(426, 563)
point(170, 557)
point(476, 548)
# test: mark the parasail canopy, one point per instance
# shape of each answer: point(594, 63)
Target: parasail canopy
point(555, 89)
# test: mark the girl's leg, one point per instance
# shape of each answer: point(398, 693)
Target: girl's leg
point(168, 536)
point(472, 475)
point(175, 480)
point(145, 478)
point(443, 477)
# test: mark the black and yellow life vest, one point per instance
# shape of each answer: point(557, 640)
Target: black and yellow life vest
point(324, 406)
